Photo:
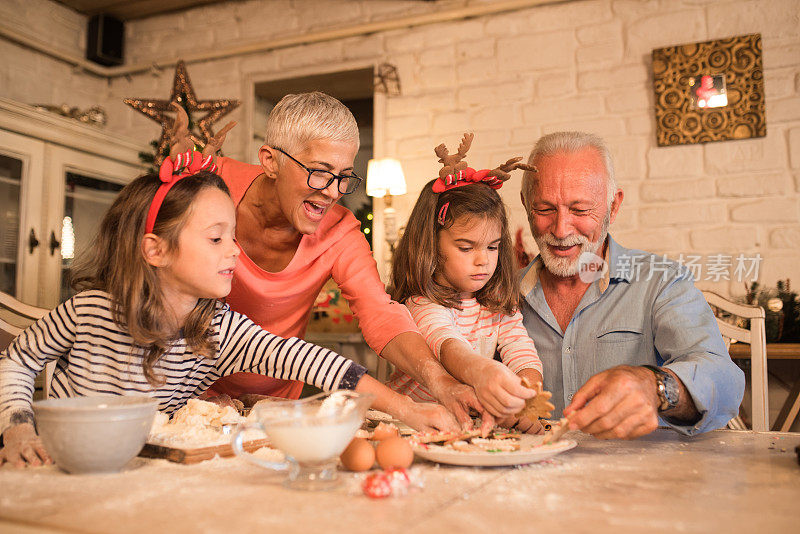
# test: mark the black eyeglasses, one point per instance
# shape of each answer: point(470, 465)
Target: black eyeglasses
point(321, 179)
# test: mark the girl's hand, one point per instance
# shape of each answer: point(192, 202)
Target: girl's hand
point(499, 389)
point(417, 416)
point(23, 447)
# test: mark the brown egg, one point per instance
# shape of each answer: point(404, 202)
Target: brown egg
point(385, 431)
point(358, 456)
point(394, 453)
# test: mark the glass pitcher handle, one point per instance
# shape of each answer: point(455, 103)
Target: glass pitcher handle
point(238, 448)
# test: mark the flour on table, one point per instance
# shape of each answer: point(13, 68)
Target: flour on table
point(198, 424)
point(199, 412)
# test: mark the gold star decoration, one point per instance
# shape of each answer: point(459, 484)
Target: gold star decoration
point(182, 95)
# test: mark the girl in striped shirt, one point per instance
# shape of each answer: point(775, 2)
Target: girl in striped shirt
point(454, 269)
point(149, 322)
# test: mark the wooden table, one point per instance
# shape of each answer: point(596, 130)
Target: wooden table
point(777, 351)
point(723, 481)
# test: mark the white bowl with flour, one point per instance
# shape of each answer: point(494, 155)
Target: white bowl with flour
point(94, 434)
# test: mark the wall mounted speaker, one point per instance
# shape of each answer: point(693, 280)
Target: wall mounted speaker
point(105, 40)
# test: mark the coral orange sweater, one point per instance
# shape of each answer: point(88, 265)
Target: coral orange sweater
point(281, 302)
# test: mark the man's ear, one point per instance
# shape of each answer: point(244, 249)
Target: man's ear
point(616, 203)
point(154, 250)
point(266, 156)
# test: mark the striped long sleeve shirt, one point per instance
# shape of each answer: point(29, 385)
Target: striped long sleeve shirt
point(486, 332)
point(94, 355)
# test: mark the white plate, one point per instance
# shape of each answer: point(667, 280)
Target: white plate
point(530, 451)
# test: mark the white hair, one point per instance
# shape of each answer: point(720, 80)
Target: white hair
point(300, 118)
point(572, 142)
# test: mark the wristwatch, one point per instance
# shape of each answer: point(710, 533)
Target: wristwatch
point(669, 392)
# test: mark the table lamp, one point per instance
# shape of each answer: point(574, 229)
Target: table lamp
point(384, 179)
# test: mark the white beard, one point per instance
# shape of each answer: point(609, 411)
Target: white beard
point(568, 267)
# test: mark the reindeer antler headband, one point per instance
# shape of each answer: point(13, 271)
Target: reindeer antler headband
point(455, 172)
point(183, 161)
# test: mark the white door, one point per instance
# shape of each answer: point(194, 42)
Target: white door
point(80, 187)
point(21, 243)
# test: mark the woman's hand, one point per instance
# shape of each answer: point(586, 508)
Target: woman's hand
point(427, 417)
point(23, 447)
point(499, 389)
point(461, 399)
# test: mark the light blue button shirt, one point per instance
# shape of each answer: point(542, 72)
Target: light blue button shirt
point(644, 310)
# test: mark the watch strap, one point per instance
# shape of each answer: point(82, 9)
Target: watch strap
point(667, 390)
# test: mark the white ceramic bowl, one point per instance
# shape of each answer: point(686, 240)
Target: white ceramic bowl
point(94, 434)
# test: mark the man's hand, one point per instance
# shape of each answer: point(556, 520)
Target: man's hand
point(23, 447)
point(499, 389)
point(621, 402)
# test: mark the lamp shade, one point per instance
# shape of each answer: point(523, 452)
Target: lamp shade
point(385, 177)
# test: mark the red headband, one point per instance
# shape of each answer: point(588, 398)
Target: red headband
point(461, 178)
point(466, 177)
point(186, 164)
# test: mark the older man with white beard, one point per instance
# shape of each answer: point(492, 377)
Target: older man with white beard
point(626, 339)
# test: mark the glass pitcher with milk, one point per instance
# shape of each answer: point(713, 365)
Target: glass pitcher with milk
point(311, 432)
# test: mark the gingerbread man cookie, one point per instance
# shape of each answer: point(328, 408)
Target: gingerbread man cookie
point(538, 406)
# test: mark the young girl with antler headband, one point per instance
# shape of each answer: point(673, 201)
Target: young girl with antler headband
point(149, 322)
point(454, 269)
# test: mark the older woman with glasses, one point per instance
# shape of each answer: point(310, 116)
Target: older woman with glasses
point(294, 237)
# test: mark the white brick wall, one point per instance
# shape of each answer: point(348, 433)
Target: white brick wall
point(509, 78)
point(29, 77)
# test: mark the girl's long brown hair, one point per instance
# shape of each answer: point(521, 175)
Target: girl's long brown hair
point(417, 256)
point(114, 263)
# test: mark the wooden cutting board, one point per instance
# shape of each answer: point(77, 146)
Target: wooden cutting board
point(192, 456)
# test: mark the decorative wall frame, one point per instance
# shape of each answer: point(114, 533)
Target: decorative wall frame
point(709, 91)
